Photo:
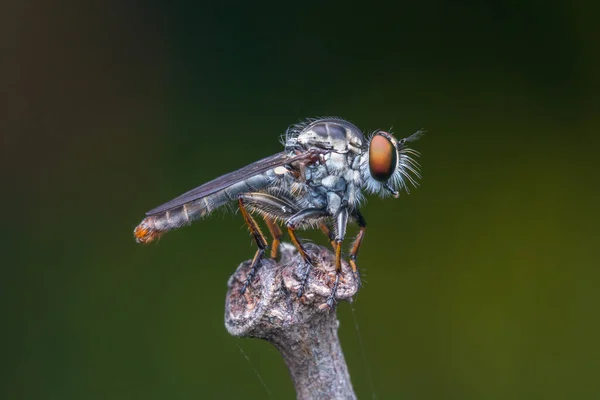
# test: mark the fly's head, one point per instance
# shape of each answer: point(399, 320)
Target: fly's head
point(388, 166)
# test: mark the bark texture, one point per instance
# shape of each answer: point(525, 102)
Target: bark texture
point(303, 329)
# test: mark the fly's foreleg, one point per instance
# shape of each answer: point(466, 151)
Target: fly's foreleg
point(292, 223)
point(362, 224)
point(259, 238)
point(271, 208)
point(341, 222)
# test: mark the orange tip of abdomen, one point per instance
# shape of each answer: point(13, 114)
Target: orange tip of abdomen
point(145, 232)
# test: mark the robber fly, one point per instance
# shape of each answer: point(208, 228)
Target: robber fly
point(317, 181)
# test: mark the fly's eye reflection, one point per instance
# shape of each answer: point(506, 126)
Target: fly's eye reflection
point(382, 158)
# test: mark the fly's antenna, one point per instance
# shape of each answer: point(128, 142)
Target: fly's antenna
point(410, 169)
point(412, 138)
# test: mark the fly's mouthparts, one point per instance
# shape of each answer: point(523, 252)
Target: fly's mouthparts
point(394, 192)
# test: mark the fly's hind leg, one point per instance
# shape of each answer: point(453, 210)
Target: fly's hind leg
point(271, 208)
point(259, 238)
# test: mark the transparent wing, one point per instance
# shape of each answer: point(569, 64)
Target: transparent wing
point(231, 178)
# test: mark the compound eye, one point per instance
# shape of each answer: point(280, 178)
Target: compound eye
point(382, 158)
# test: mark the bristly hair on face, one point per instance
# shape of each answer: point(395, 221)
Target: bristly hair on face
point(407, 168)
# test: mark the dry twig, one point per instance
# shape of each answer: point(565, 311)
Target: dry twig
point(302, 328)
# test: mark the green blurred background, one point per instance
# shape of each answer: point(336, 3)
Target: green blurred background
point(482, 284)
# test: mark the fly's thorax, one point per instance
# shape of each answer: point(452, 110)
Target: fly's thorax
point(331, 134)
point(333, 181)
point(341, 144)
point(336, 162)
point(332, 169)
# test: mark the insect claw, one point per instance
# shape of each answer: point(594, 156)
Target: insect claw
point(247, 282)
point(330, 302)
point(256, 263)
point(244, 287)
point(308, 265)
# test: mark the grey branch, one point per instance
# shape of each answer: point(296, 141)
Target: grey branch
point(303, 328)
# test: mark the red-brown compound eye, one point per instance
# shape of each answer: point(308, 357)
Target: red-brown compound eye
point(382, 158)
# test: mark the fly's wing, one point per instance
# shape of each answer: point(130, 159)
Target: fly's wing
point(231, 178)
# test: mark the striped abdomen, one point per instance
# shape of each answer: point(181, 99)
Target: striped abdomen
point(153, 226)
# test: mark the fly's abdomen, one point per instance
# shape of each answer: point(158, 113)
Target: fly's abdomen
point(153, 226)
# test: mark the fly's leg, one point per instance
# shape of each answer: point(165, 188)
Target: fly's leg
point(341, 221)
point(259, 238)
point(275, 233)
point(327, 231)
point(292, 223)
point(362, 224)
point(271, 208)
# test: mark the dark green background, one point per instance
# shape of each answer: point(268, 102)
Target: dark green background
point(482, 284)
